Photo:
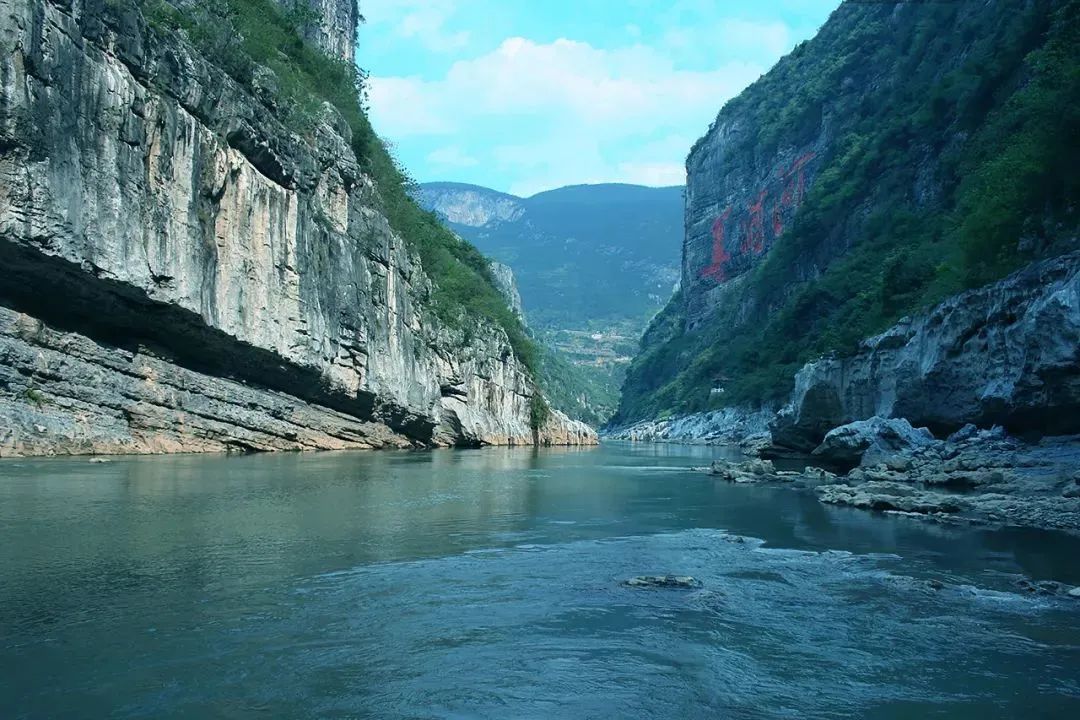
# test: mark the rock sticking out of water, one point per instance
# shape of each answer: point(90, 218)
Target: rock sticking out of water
point(663, 581)
point(882, 495)
point(755, 471)
point(1048, 587)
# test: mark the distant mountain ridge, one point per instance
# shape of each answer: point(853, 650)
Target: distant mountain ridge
point(593, 264)
point(625, 236)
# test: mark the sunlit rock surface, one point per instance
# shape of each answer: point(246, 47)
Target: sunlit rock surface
point(152, 208)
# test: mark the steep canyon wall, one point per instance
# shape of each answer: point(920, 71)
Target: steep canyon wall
point(167, 243)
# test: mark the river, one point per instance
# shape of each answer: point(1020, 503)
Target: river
point(487, 584)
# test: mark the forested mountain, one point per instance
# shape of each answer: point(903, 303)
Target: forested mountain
point(607, 253)
point(593, 263)
point(906, 153)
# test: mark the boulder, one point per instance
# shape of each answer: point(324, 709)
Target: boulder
point(872, 442)
point(749, 471)
point(1001, 354)
point(963, 434)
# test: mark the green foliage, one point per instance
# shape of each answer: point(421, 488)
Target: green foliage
point(33, 396)
point(539, 411)
point(242, 36)
point(584, 392)
point(990, 107)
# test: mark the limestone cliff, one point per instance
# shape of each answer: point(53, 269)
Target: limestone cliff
point(335, 27)
point(507, 283)
point(184, 272)
point(469, 205)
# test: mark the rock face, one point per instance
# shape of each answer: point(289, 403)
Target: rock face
point(335, 28)
point(64, 393)
point(507, 283)
point(728, 425)
point(1006, 354)
point(166, 242)
point(871, 441)
point(737, 205)
point(469, 205)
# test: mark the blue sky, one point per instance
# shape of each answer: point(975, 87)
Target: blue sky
point(528, 95)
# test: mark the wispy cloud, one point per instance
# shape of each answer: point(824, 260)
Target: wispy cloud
point(424, 21)
point(597, 112)
point(451, 157)
point(525, 96)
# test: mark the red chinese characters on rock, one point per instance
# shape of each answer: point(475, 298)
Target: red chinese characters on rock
point(717, 270)
point(793, 193)
point(753, 228)
point(752, 225)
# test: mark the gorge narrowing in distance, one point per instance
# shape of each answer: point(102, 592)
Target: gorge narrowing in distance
point(484, 359)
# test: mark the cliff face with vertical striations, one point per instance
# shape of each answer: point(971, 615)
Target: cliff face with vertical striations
point(737, 206)
point(335, 27)
point(184, 272)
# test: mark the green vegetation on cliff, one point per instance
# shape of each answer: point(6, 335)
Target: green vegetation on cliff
point(954, 165)
point(593, 263)
point(243, 37)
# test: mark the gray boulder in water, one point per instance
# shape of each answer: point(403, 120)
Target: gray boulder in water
point(663, 581)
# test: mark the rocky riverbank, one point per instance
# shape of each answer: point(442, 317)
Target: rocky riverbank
point(1006, 355)
point(720, 427)
point(975, 476)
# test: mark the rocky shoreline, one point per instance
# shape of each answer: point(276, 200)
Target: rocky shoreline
point(1004, 358)
point(727, 426)
point(973, 476)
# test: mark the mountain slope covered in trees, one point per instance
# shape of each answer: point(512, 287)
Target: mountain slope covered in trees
point(907, 152)
point(593, 263)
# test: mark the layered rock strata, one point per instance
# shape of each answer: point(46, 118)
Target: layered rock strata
point(154, 213)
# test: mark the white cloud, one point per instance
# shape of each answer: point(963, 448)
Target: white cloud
point(735, 37)
point(423, 21)
point(774, 38)
point(451, 156)
point(562, 112)
point(403, 103)
point(624, 90)
point(652, 173)
point(426, 25)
